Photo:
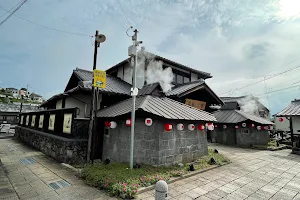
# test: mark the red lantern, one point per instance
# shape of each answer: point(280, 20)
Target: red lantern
point(216, 126)
point(258, 127)
point(148, 121)
point(201, 127)
point(262, 128)
point(113, 124)
point(210, 126)
point(191, 127)
point(244, 125)
point(236, 126)
point(168, 127)
point(107, 123)
point(128, 122)
point(252, 125)
point(224, 126)
point(180, 127)
point(281, 119)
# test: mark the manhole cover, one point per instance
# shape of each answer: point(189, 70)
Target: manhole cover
point(27, 161)
point(59, 184)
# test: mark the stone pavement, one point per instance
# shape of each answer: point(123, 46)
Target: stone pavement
point(30, 178)
point(252, 175)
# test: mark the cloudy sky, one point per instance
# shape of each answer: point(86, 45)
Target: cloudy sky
point(238, 42)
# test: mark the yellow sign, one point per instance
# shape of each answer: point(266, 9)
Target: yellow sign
point(99, 78)
point(197, 104)
point(67, 123)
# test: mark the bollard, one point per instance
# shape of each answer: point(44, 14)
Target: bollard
point(161, 190)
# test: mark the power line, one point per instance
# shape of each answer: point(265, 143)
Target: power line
point(263, 94)
point(124, 13)
point(275, 75)
point(46, 27)
point(11, 13)
point(10, 9)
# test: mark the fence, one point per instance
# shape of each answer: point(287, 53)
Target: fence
point(61, 122)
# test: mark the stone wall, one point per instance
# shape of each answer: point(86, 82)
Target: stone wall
point(242, 137)
point(72, 151)
point(251, 136)
point(153, 145)
point(225, 136)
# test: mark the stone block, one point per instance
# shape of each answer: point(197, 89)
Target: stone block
point(149, 136)
point(170, 159)
point(162, 160)
point(178, 158)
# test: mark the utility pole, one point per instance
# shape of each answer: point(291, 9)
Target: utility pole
point(134, 92)
point(98, 39)
point(267, 95)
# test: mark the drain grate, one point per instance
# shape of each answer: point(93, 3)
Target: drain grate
point(59, 184)
point(27, 161)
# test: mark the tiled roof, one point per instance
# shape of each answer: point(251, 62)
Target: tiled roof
point(163, 107)
point(148, 89)
point(205, 75)
point(237, 116)
point(293, 109)
point(230, 106)
point(113, 84)
point(177, 90)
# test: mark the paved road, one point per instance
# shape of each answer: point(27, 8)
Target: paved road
point(252, 175)
point(31, 181)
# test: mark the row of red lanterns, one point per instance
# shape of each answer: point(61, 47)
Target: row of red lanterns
point(168, 127)
point(251, 125)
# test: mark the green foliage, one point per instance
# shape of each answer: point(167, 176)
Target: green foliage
point(117, 179)
point(272, 143)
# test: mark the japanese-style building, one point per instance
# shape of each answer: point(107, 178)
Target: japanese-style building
point(170, 125)
point(236, 127)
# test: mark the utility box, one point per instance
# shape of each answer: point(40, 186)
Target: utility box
point(132, 50)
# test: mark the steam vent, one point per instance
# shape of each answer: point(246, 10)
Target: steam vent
point(174, 115)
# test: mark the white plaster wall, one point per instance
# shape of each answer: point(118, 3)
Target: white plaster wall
point(194, 77)
point(59, 104)
point(128, 73)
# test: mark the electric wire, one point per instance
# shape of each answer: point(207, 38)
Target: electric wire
point(46, 27)
point(10, 9)
point(275, 75)
point(11, 13)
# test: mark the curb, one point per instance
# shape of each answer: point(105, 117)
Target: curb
point(172, 180)
point(77, 171)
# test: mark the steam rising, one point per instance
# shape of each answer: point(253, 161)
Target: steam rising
point(250, 105)
point(154, 73)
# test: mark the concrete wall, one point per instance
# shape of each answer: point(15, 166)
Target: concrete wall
point(153, 145)
point(72, 151)
point(251, 136)
point(240, 137)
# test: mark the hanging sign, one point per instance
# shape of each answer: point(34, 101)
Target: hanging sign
point(41, 121)
point(33, 120)
point(67, 123)
point(22, 119)
point(197, 104)
point(99, 78)
point(51, 122)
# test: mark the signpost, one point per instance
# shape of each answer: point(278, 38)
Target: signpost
point(99, 78)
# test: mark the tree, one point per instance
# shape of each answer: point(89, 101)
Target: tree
point(23, 89)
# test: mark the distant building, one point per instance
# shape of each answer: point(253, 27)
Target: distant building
point(13, 91)
point(248, 104)
point(36, 98)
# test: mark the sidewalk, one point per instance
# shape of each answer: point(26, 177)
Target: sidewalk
point(26, 173)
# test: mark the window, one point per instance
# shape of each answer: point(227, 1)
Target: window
point(186, 79)
point(179, 79)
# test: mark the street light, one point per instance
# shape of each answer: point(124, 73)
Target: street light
point(98, 39)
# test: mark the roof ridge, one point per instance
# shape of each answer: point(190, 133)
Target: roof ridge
point(80, 69)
